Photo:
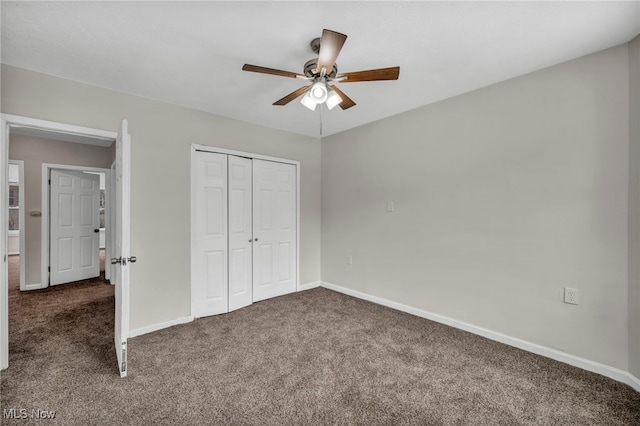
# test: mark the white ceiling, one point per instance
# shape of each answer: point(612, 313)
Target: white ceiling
point(191, 53)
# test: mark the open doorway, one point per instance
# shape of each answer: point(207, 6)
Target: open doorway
point(41, 257)
point(81, 139)
point(25, 309)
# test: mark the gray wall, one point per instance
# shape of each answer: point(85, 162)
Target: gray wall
point(161, 136)
point(503, 196)
point(35, 151)
point(634, 207)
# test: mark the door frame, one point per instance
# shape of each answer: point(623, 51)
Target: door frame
point(45, 235)
point(7, 123)
point(109, 268)
point(206, 148)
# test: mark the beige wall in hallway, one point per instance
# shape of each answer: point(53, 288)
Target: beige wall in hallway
point(634, 207)
point(34, 152)
point(503, 196)
point(161, 137)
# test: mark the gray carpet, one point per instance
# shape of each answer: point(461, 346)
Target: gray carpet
point(315, 357)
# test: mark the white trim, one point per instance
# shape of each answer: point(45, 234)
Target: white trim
point(107, 223)
point(585, 364)
point(9, 251)
point(44, 223)
point(192, 227)
point(29, 287)
point(207, 148)
point(309, 286)
point(4, 285)
point(7, 121)
point(159, 326)
point(297, 164)
point(78, 134)
point(21, 211)
point(111, 230)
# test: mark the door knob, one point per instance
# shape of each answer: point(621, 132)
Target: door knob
point(120, 260)
point(255, 239)
point(96, 230)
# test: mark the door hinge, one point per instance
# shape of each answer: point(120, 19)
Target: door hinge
point(49, 268)
point(49, 181)
point(124, 358)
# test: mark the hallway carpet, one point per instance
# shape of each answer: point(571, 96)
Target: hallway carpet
point(314, 357)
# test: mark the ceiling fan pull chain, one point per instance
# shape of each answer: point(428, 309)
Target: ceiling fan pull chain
point(320, 119)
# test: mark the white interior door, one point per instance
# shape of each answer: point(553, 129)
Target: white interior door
point(274, 229)
point(240, 232)
point(122, 255)
point(209, 235)
point(75, 226)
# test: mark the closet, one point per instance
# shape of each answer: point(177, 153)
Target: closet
point(244, 224)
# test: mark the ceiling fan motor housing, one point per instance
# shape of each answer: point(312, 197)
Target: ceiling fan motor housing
point(315, 45)
point(311, 65)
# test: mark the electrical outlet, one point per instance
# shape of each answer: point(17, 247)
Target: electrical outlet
point(571, 296)
point(349, 260)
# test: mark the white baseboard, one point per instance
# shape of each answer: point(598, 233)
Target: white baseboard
point(585, 364)
point(310, 285)
point(634, 382)
point(29, 287)
point(159, 326)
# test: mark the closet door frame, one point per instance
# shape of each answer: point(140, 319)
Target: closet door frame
point(206, 148)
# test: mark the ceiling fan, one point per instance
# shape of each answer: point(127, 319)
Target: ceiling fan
point(322, 72)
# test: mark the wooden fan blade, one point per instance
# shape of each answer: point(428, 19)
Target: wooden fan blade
point(330, 45)
point(291, 96)
point(272, 71)
point(347, 102)
point(391, 73)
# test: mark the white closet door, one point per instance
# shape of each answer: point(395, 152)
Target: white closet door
point(209, 234)
point(240, 233)
point(274, 229)
point(74, 226)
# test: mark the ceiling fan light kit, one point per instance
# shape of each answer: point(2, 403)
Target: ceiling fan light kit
point(324, 70)
point(308, 102)
point(318, 91)
point(333, 99)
